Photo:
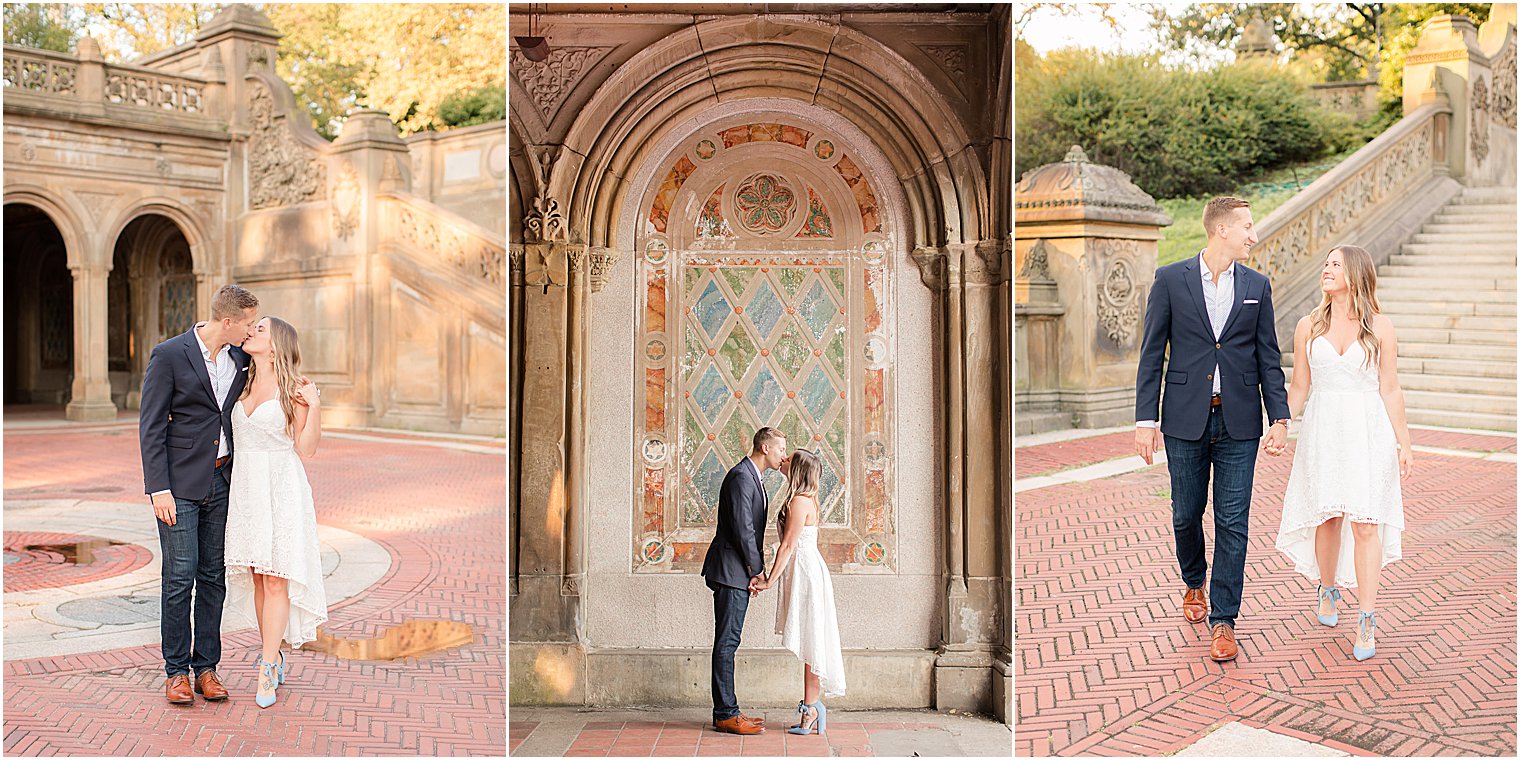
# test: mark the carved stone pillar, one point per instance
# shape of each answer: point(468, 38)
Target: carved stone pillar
point(90, 399)
point(1450, 59)
point(1089, 230)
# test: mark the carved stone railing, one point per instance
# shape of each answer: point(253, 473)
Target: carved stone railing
point(441, 236)
point(41, 71)
point(1348, 200)
point(146, 88)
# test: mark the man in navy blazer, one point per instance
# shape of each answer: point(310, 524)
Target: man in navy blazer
point(1215, 316)
point(185, 434)
point(734, 560)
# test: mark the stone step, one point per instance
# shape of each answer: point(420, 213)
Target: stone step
point(1446, 281)
point(1459, 384)
point(1497, 213)
point(1483, 291)
point(1501, 353)
point(1470, 227)
point(1464, 238)
point(1442, 335)
point(1460, 402)
point(1432, 266)
point(1408, 257)
point(1460, 323)
point(1449, 308)
point(1446, 418)
point(1457, 367)
point(1475, 254)
point(1489, 195)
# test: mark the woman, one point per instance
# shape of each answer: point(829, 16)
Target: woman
point(272, 551)
point(1343, 506)
point(805, 607)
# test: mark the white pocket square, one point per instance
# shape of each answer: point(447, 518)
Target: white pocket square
point(1252, 300)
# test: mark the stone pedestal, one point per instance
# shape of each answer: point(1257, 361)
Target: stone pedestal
point(1086, 239)
point(90, 398)
point(1476, 72)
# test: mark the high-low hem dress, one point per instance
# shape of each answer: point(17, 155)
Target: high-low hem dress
point(805, 616)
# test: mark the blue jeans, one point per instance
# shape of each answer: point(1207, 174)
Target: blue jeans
point(193, 561)
point(1234, 465)
point(729, 606)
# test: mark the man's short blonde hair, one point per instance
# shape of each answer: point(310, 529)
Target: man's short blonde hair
point(1218, 211)
point(766, 435)
point(231, 301)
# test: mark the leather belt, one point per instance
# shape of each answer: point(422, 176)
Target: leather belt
point(221, 461)
point(1215, 402)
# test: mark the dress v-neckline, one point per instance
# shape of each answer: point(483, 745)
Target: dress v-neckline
point(249, 414)
point(1341, 354)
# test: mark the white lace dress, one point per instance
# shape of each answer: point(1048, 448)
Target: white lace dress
point(272, 522)
point(805, 613)
point(1346, 464)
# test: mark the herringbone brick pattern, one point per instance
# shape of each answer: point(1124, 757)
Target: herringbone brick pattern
point(1046, 458)
point(1106, 665)
point(441, 515)
point(683, 739)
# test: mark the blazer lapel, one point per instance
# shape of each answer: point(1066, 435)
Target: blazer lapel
point(1241, 286)
point(198, 364)
point(239, 379)
point(1195, 289)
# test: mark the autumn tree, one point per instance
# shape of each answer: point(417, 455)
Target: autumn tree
point(44, 26)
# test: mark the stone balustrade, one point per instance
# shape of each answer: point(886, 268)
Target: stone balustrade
point(41, 71)
point(436, 232)
point(147, 88)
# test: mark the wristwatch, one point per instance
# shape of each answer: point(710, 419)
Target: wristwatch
point(1283, 422)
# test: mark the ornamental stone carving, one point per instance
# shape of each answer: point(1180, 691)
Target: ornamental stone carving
point(544, 222)
point(602, 261)
point(931, 266)
point(1502, 106)
point(1074, 187)
point(764, 204)
point(1118, 294)
point(345, 201)
point(1037, 263)
point(1479, 120)
point(951, 57)
point(282, 171)
point(549, 82)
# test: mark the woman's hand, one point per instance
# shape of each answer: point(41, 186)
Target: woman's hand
point(1406, 461)
point(309, 393)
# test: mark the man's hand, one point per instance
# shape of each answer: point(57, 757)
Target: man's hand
point(163, 508)
point(1276, 441)
point(758, 584)
point(1147, 443)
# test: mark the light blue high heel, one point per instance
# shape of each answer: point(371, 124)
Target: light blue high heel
point(282, 668)
point(267, 670)
point(1334, 594)
point(820, 724)
point(1363, 653)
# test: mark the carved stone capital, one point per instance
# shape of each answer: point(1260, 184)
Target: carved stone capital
point(515, 258)
point(544, 222)
point(576, 254)
point(931, 266)
point(984, 264)
point(602, 261)
point(545, 264)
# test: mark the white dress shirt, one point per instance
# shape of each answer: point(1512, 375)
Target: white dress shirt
point(222, 372)
point(1218, 299)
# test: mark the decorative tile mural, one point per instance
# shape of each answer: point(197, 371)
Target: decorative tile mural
point(733, 340)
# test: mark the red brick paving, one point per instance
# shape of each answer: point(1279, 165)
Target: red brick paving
point(1105, 664)
point(40, 568)
point(688, 739)
point(1048, 458)
point(441, 515)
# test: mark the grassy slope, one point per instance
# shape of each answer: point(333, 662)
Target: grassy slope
point(1185, 237)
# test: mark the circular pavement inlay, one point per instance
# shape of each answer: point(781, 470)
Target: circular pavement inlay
point(112, 610)
point(9, 558)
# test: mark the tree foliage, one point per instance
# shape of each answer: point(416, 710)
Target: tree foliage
point(1176, 132)
point(44, 26)
point(127, 31)
point(1344, 38)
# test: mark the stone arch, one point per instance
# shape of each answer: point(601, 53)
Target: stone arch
point(63, 215)
point(806, 60)
point(193, 228)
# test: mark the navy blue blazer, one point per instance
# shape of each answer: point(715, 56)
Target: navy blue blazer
point(736, 553)
point(180, 426)
point(1250, 364)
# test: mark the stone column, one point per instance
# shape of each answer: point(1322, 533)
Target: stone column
point(1096, 235)
point(1448, 59)
point(90, 396)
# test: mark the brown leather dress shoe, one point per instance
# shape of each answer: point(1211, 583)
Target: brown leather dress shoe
point(209, 685)
point(1194, 606)
point(177, 690)
point(1223, 649)
point(738, 725)
point(757, 721)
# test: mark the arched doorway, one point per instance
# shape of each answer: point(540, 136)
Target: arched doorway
point(151, 292)
point(39, 309)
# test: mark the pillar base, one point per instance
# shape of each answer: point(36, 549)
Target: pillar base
point(963, 680)
point(90, 411)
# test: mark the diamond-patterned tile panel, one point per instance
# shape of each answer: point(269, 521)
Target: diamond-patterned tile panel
point(818, 393)
point(738, 351)
point(711, 309)
point(765, 392)
point(817, 309)
point(764, 310)
point(711, 394)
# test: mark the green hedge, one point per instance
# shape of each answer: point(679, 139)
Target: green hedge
point(469, 107)
point(1176, 132)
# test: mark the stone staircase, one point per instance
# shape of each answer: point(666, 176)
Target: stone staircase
point(1450, 292)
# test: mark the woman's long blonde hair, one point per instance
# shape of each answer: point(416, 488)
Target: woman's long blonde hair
point(1361, 282)
point(801, 480)
point(286, 351)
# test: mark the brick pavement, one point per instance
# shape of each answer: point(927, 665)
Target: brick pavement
point(54, 560)
point(1106, 665)
point(441, 515)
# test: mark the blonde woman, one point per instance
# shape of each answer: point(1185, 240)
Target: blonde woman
point(805, 615)
point(1343, 513)
point(274, 564)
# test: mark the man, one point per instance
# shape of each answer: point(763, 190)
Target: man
point(1216, 317)
point(185, 431)
point(735, 560)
